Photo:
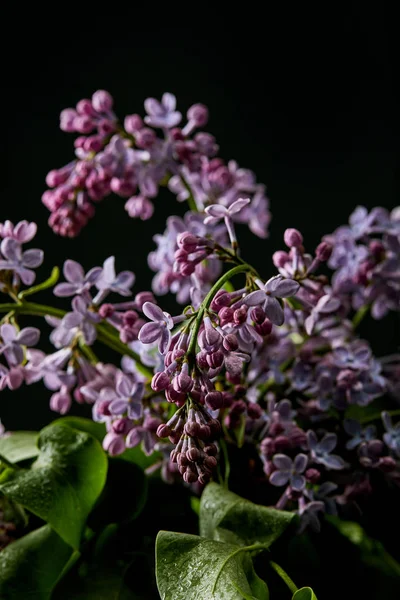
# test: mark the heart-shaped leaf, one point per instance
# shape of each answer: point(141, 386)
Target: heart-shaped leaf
point(226, 517)
point(31, 566)
point(64, 482)
point(304, 593)
point(189, 567)
point(19, 445)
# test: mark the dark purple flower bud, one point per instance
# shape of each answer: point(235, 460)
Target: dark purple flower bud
point(211, 450)
point(387, 464)
point(238, 407)
point(377, 249)
point(121, 426)
point(160, 381)
point(179, 398)
point(267, 447)
point(190, 476)
point(275, 429)
point(293, 238)
point(194, 454)
point(323, 251)
point(214, 400)
point(254, 410)
point(133, 123)
point(312, 475)
point(215, 427)
point(106, 311)
point(201, 359)
point(145, 138)
point(182, 383)
point(280, 258)
point(230, 342)
point(187, 241)
point(264, 328)
point(228, 399)
point(210, 462)
point(215, 359)
point(204, 432)
point(220, 300)
point(142, 298)
point(240, 315)
point(257, 314)
point(102, 101)
point(198, 114)
point(282, 443)
point(193, 429)
point(225, 315)
point(129, 318)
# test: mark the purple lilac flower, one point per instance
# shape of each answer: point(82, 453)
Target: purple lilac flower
point(308, 513)
point(81, 318)
point(129, 394)
point(267, 296)
point(110, 282)
point(321, 450)
point(357, 433)
point(13, 341)
point(159, 329)
point(162, 114)
point(216, 212)
point(21, 263)
point(22, 232)
point(78, 282)
point(392, 435)
point(289, 471)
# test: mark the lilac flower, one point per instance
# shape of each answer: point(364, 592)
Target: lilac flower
point(78, 282)
point(289, 471)
point(159, 329)
point(12, 378)
point(129, 394)
point(392, 435)
point(49, 368)
point(308, 515)
point(13, 340)
point(217, 212)
point(82, 318)
point(357, 433)
point(321, 450)
point(22, 232)
point(110, 282)
point(356, 357)
point(18, 261)
point(274, 288)
point(162, 114)
point(326, 305)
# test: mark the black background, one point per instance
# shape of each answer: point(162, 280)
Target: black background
point(304, 98)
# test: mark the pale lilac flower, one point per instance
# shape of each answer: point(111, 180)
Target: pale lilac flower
point(162, 114)
point(18, 261)
point(22, 232)
point(13, 340)
point(357, 433)
point(392, 435)
point(49, 368)
point(308, 515)
point(321, 450)
point(110, 282)
point(159, 329)
point(114, 443)
point(78, 282)
point(274, 288)
point(12, 378)
point(129, 394)
point(289, 471)
point(326, 305)
point(216, 212)
point(82, 318)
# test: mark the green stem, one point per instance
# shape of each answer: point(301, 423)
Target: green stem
point(378, 416)
point(283, 575)
point(50, 282)
point(244, 268)
point(104, 336)
point(360, 314)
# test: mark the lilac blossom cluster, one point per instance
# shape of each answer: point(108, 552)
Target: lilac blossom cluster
point(133, 159)
point(274, 363)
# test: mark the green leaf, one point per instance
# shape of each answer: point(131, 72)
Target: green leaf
point(64, 483)
point(189, 567)
point(19, 445)
point(31, 566)
point(226, 517)
point(304, 593)
point(123, 497)
point(372, 551)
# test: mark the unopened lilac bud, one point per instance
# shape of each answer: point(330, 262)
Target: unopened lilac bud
point(67, 120)
point(215, 359)
point(211, 450)
point(187, 241)
point(120, 426)
point(190, 476)
point(210, 462)
point(163, 431)
point(139, 207)
point(323, 251)
point(312, 475)
point(160, 381)
point(220, 300)
point(145, 138)
point(129, 318)
point(254, 410)
point(133, 123)
point(282, 443)
point(230, 342)
point(267, 447)
point(293, 238)
point(85, 107)
point(239, 407)
point(198, 113)
point(387, 464)
point(102, 101)
point(182, 383)
point(201, 359)
point(60, 402)
point(240, 315)
point(114, 443)
point(187, 269)
point(204, 432)
point(377, 248)
point(172, 395)
point(215, 427)
point(225, 315)
point(143, 297)
point(194, 454)
point(280, 258)
point(192, 428)
point(257, 314)
point(214, 400)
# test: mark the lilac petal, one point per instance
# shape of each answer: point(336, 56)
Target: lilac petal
point(125, 279)
point(73, 271)
point(11, 249)
point(79, 305)
point(312, 440)
point(279, 478)
point(89, 333)
point(29, 336)
point(298, 483)
point(169, 101)
point(148, 443)
point(14, 354)
point(124, 386)
point(328, 443)
point(300, 463)
point(216, 210)
point(135, 410)
point(282, 462)
point(170, 120)
point(333, 461)
point(63, 290)
point(32, 258)
point(387, 421)
point(153, 107)
point(108, 270)
point(89, 393)
point(149, 333)
point(255, 298)
point(271, 284)
point(8, 333)
point(310, 323)
point(286, 288)
point(27, 276)
point(114, 444)
point(118, 406)
point(327, 488)
point(93, 275)
point(233, 364)
point(71, 320)
point(153, 312)
point(211, 220)
point(133, 438)
point(274, 311)
point(329, 304)
point(15, 378)
point(25, 231)
point(164, 340)
point(237, 206)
